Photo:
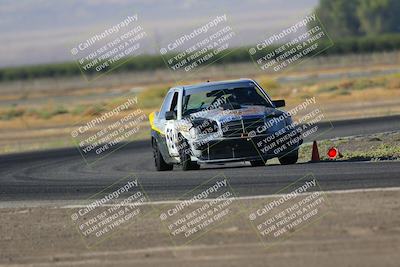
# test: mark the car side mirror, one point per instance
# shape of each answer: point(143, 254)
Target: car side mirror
point(170, 115)
point(279, 103)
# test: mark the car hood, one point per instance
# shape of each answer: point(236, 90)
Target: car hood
point(245, 112)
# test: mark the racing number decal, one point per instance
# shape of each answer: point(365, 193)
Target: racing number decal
point(171, 137)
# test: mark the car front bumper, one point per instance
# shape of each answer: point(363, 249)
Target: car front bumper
point(239, 149)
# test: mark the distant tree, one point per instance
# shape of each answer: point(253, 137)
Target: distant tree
point(359, 17)
point(379, 16)
point(339, 17)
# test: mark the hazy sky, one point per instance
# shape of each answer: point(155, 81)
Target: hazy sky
point(42, 31)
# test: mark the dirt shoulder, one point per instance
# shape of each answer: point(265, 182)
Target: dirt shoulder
point(373, 147)
point(359, 229)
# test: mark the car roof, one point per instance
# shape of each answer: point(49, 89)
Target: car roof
point(216, 85)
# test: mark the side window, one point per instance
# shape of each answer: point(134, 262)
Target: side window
point(165, 106)
point(174, 104)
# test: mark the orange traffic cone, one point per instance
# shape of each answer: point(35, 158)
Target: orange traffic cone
point(315, 154)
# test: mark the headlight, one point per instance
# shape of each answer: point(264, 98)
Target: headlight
point(193, 132)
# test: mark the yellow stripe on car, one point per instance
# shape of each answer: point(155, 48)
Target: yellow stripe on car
point(153, 126)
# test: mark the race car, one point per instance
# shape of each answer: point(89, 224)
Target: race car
point(221, 122)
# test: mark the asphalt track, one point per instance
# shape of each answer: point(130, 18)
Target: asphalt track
point(63, 175)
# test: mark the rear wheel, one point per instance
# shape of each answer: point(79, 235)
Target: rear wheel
point(184, 155)
point(159, 161)
point(256, 163)
point(290, 158)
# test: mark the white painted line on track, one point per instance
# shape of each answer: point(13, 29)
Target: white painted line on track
point(67, 204)
point(163, 202)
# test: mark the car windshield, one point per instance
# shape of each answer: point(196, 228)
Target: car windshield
point(243, 96)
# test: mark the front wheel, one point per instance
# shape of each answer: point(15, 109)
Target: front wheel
point(290, 158)
point(184, 155)
point(159, 161)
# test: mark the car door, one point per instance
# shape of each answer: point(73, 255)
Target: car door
point(171, 132)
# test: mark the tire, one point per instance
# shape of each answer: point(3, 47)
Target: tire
point(257, 163)
point(184, 156)
point(159, 161)
point(290, 158)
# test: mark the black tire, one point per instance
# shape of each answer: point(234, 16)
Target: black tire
point(290, 158)
point(184, 156)
point(257, 163)
point(159, 161)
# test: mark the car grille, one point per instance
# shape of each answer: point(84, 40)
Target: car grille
point(237, 128)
